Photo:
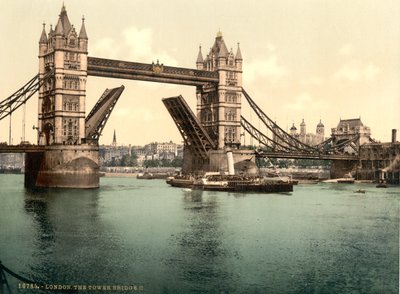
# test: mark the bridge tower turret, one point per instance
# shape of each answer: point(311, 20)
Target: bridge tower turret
point(219, 106)
point(61, 116)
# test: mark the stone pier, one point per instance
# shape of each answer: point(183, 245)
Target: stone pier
point(62, 166)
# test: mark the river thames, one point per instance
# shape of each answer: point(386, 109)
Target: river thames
point(142, 236)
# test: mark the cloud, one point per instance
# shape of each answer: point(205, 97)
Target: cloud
point(346, 50)
point(106, 47)
point(301, 102)
point(355, 72)
point(312, 81)
point(269, 68)
point(305, 103)
point(134, 44)
point(371, 71)
point(271, 47)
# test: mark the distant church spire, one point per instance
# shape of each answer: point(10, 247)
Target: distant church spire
point(114, 142)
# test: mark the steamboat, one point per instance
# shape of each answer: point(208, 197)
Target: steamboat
point(232, 183)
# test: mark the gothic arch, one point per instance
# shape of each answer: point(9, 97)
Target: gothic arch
point(48, 133)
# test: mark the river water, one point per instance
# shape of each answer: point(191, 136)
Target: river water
point(141, 236)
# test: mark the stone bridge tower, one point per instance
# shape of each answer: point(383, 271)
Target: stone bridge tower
point(62, 98)
point(67, 160)
point(219, 106)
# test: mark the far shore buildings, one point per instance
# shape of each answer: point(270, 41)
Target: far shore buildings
point(12, 161)
point(152, 151)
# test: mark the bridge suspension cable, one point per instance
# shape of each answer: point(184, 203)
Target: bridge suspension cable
point(262, 138)
point(283, 143)
point(21, 96)
point(276, 130)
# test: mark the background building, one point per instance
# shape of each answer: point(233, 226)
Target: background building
point(311, 139)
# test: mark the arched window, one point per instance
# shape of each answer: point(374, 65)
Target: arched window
point(70, 128)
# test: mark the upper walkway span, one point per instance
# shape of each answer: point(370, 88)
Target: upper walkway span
point(154, 72)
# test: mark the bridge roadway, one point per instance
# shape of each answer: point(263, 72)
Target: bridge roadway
point(301, 155)
point(21, 148)
point(291, 155)
point(155, 72)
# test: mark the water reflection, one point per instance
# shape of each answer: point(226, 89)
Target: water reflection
point(201, 258)
point(36, 205)
point(63, 221)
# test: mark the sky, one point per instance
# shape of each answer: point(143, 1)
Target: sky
point(302, 59)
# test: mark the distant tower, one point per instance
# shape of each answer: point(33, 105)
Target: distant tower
point(219, 106)
point(303, 131)
point(275, 138)
point(61, 114)
point(293, 130)
point(114, 142)
point(320, 132)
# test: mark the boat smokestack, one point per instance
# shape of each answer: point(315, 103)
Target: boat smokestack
point(394, 135)
point(231, 167)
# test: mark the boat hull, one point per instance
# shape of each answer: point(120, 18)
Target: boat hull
point(233, 185)
point(258, 188)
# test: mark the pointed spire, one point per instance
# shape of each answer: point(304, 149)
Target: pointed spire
point(82, 33)
point(238, 53)
point(43, 37)
point(200, 56)
point(114, 142)
point(65, 21)
point(223, 50)
point(59, 28)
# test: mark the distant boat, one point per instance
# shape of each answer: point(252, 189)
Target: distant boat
point(360, 191)
point(381, 185)
point(346, 180)
point(151, 176)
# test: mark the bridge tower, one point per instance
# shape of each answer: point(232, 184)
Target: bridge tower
point(219, 111)
point(219, 106)
point(67, 161)
point(62, 98)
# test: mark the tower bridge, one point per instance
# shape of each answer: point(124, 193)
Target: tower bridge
point(66, 153)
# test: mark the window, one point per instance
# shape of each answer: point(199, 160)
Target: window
point(230, 115)
point(70, 128)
